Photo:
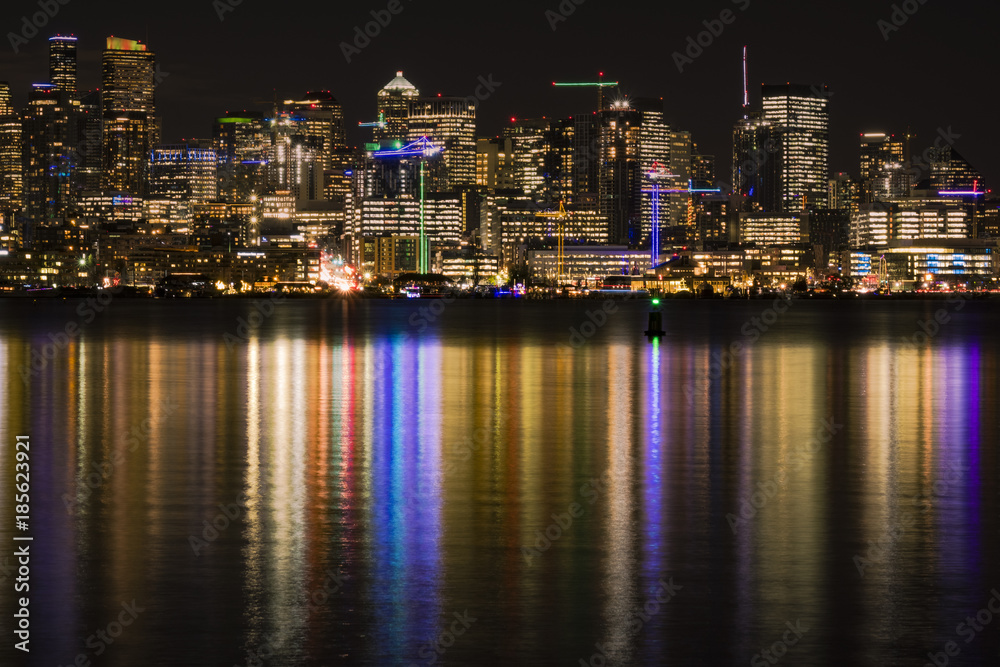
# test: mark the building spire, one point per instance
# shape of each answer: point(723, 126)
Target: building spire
point(746, 83)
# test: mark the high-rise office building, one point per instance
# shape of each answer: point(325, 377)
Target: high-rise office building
point(757, 164)
point(715, 220)
point(844, 193)
point(450, 123)
point(319, 117)
point(654, 165)
point(394, 108)
point(620, 184)
point(130, 124)
point(48, 136)
point(495, 163)
point(87, 154)
point(702, 168)
point(295, 158)
point(308, 151)
point(338, 180)
point(527, 137)
point(801, 115)
point(586, 159)
point(241, 141)
point(62, 63)
point(882, 173)
point(11, 165)
point(128, 76)
point(680, 154)
point(559, 164)
point(681, 210)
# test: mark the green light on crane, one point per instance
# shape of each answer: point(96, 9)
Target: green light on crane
point(601, 84)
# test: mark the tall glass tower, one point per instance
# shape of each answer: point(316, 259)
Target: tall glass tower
point(654, 163)
point(757, 164)
point(801, 116)
point(130, 127)
point(882, 176)
point(11, 169)
point(450, 123)
point(62, 63)
point(393, 109)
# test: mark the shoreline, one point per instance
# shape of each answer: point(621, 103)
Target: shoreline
point(128, 294)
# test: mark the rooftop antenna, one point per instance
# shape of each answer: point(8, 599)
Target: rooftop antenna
point(746, 84)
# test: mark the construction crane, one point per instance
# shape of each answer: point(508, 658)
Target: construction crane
point(658, 173)
point(420, 150)
point(560, 217)
point(273, 103)
point(380, 123)
point(601, 84)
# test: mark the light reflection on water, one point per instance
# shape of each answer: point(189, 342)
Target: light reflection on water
point(429, 471)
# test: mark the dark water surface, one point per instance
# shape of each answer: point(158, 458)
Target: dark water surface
point(463, 486)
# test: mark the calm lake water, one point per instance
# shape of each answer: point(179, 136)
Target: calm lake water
point(368, 484)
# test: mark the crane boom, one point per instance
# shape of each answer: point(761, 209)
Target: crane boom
point(601, 84)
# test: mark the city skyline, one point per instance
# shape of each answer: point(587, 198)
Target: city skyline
point(704, 98)
point(534, 333)
point(423, 183)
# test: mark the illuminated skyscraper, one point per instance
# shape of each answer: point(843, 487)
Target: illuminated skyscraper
point(318, 122)
point(681, 208)
point(757, 164)
point(680, 154)
point(241, 142)
point(558, 166)
point(62, 63)
point(449, 122)
point(702, 168)
point(527, 137)
point(130, 124)
point(495, 163)
point(48, 139)
point(87, 154)
point(394, 108)
point(800, 113)
point(320, 119)
point(882, 173)
point(844, 193)
point(620, 192)
point(586, 159)
point(11, 167)
point(654, 164)
point(294, 159)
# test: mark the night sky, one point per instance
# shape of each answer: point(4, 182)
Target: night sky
point(935, 71)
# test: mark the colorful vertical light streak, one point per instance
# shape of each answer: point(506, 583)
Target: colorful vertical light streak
point(405, 497)
point(620, 569)
point(654, 555)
